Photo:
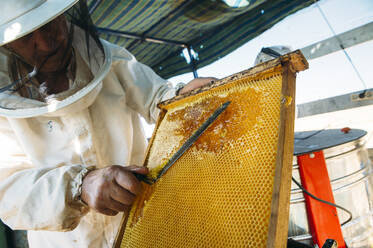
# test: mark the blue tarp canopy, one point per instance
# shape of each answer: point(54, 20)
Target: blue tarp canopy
point(157, 31)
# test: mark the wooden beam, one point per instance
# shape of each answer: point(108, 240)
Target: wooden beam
point(336, 103)
point(347, 39)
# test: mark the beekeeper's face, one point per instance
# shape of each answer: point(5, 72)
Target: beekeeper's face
point(46, 48)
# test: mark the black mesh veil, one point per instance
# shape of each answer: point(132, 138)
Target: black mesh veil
point(79, 15)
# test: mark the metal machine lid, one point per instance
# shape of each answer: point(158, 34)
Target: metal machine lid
point(311, 141)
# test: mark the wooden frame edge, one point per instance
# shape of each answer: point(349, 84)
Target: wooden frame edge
point(296, 58)
point(279, 220)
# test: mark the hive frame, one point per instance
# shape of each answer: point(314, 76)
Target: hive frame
point(291, 64)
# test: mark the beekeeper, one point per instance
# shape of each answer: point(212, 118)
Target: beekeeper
point(70, 132)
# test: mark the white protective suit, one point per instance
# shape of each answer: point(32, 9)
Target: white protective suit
point(45, 149)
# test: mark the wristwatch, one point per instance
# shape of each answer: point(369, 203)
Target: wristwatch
point(178, 87)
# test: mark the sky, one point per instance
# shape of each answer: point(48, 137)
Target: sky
point(327, 76)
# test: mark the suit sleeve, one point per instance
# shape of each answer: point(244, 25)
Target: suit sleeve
point(144, 88)
point(37, 198)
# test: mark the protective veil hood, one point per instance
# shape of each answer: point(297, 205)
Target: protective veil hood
point(15, 106)
point(20, 17)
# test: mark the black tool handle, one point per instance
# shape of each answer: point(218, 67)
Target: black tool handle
point(143, 178)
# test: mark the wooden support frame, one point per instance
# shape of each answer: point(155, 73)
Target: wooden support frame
point(290, 64)
point(278, 227)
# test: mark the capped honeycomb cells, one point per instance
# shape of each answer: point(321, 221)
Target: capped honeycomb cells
point(219, 193)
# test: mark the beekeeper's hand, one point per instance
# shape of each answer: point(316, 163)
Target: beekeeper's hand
point(196, 83)
point(112, 189)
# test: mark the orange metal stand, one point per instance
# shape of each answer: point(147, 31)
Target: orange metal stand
point(323, 219)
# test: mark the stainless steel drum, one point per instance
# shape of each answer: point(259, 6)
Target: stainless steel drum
point(350, 173)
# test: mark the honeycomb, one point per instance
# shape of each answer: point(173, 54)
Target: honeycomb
point(219, 193)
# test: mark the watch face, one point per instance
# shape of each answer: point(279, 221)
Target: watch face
point(178, 87)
